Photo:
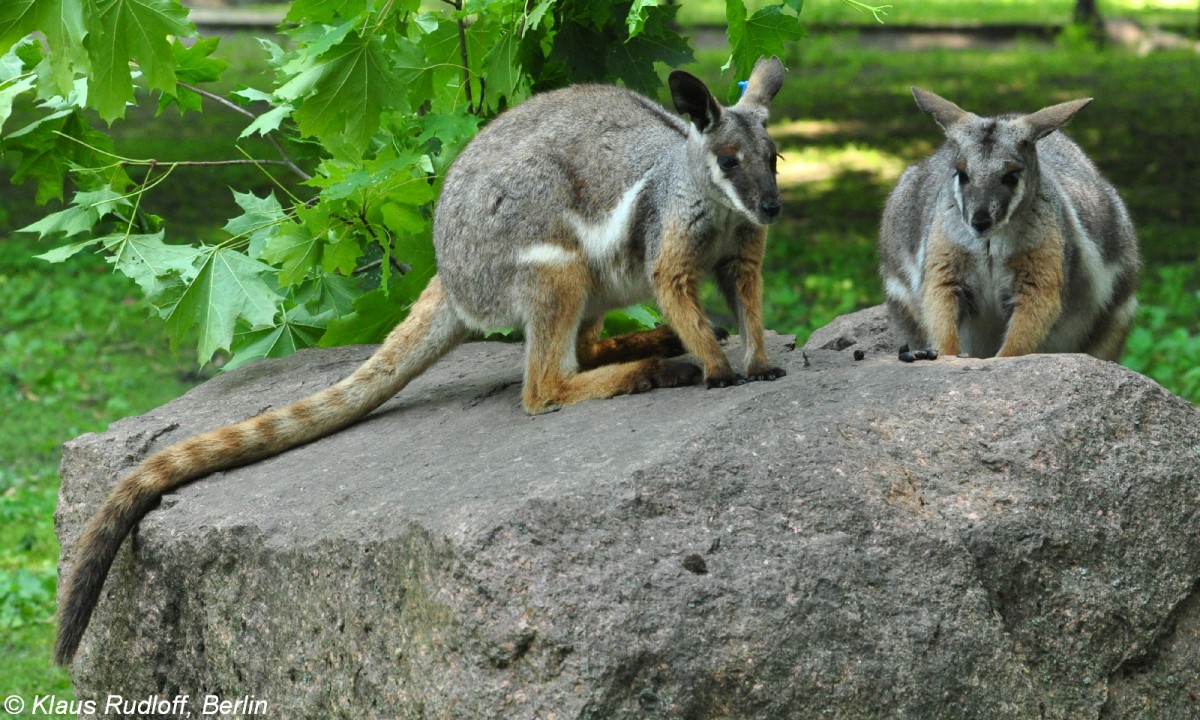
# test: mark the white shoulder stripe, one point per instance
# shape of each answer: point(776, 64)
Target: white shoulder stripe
point(546, 254)
point(600, 240)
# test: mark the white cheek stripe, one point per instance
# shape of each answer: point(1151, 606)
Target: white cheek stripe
point(1015, 202)
point(958, 198)
point(726, 188)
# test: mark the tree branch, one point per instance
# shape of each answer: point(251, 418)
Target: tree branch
point(462, 50)
point(285, 159)
point(198, 163)
point(402, 268)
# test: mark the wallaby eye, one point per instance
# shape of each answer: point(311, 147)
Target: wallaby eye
point(1011, 179)
point(772, 160)
point(727, 162)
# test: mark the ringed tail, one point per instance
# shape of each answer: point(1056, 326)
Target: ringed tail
point(430, 331)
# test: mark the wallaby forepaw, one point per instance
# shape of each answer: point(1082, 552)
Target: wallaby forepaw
point(908, 355)
point(769, 373)
point(721, 333)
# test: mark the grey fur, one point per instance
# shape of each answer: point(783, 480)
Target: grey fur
point(993, 214)
point(542, 174)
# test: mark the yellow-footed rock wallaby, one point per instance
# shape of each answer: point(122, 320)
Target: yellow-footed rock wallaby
point(574, 203)
point(1008, 241)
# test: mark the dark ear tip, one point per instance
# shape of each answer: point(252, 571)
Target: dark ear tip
point(681, 76)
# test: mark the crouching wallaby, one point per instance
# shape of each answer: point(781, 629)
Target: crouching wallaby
point(572, 204)
point(1007, 241)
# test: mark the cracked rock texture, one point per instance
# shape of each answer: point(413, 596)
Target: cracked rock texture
point(944, 539)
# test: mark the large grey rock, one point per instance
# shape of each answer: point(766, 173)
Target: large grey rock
point(950, 539)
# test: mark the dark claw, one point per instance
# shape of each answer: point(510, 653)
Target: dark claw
point(907, 356)
point(768, 374)
point(920, 354)
point(904, 348)
point(721, 333)
point(931, 354)
point(726, 382)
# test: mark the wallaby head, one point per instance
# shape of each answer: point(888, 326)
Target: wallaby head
point(996, 163)
point(731, 147)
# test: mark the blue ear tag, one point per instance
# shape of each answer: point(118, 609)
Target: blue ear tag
point(742, 84)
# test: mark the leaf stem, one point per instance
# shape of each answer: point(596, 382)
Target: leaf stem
point(273, 179)
point(151, 162)
point(229, 104)
point(876, 11)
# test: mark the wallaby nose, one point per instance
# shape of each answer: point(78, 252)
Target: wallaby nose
point(770, 207)
point(981, 221)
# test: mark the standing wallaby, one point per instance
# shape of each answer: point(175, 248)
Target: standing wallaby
point(1007, 241)
point(572, 204)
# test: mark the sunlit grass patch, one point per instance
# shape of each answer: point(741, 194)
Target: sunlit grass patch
point(818, 163)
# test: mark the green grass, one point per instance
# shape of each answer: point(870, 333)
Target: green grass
point(78, 351)
point(1167, 13)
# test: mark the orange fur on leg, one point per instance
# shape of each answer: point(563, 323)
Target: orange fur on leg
point(944, 265)
point(676, 285)
point(741, 281)
point(1038, 297)
point(552, 376)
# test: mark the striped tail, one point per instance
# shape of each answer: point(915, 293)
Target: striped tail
point(431, 330)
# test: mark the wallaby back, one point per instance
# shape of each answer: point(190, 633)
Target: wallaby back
point(574, 203)
point(1008, 241)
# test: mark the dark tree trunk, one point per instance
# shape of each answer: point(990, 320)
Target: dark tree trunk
point(1087, 12)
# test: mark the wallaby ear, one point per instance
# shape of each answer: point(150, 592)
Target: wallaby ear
point(765, 80)
point(692, 98)
point(1047, 120)
point(943, 112)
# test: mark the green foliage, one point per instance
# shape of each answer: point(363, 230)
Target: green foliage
point(1165, 341)
point(99, 39)
point(25, 597)
point(378, 98)
point(763, 33)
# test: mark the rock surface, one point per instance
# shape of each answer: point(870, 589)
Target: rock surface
point(949, 539)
